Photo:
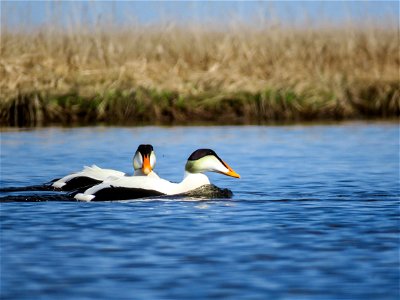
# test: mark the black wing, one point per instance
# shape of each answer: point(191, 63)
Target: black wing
point(80, 182)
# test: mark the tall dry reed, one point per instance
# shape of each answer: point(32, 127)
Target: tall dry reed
point(291, 73)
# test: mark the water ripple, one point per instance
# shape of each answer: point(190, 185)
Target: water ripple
point(314, 216)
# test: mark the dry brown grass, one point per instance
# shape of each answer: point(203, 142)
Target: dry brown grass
point(346, 71)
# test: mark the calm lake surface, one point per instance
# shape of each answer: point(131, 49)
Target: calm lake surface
point(314, 216)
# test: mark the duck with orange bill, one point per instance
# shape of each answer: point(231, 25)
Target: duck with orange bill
point(199, 162)
point(144, 161)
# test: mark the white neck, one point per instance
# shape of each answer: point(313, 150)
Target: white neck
point(191, 181)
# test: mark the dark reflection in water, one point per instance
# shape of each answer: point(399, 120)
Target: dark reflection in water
point(314, 216)
point(35, 194)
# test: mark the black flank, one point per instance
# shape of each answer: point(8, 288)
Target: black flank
point(122, 193)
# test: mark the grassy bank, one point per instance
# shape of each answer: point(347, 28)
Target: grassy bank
point(170, 74)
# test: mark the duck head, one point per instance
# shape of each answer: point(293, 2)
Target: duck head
point(144, 159)
point(206, 160)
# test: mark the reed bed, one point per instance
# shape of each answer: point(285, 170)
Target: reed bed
point(173, 74)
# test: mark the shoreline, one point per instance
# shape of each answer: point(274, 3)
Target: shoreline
point(360, 122)
point(149, 107)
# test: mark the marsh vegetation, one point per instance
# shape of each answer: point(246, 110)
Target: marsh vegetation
point(169, 73)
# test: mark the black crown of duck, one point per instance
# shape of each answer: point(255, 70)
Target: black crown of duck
point(145, 149)
point(200, 153)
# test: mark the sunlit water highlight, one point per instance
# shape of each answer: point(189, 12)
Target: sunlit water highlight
point(314, 216)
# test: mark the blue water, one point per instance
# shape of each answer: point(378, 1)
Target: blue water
point(314, 216)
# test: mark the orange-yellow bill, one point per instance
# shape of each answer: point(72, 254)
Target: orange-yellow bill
point(146, 168)
point(231, 172)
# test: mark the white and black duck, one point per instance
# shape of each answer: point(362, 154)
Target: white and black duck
point(144, 161)
point(132, 187)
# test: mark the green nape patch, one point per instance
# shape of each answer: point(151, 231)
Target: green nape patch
point(136, 106)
